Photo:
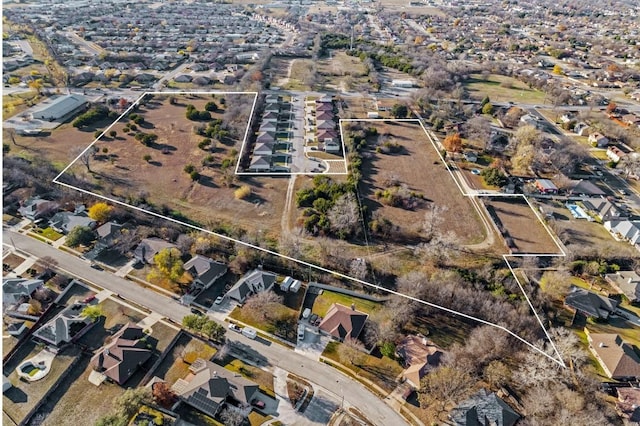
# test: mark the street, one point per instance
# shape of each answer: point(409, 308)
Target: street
point(334, 382)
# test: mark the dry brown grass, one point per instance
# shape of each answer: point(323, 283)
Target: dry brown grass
point(420, 168)
point(527, 232)
point(123, 172)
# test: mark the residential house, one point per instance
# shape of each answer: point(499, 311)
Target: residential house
point(470, 156)
point(627, 283)
point(64, 327)
point(419, 356)
point(324, 107)
point(331, 146)
point(616, 357)
point(585, 187)
point(327, 134)
point(631, 119)
point(263, 149)
point(341, 322)
point(590, 304)
point(149, 247)
point(625, 230)
point(581, 129)
point(325, 124)
point(628, 404)
point(123, 355)
point(545, 186)
point(260, 163)
point(183, 78)
point(64, 222)
point(268, 126)
point(204, 271)
point(266, 137)
point(208, 387)
point(36, 208)
point(484, 408)
point(18, 290)
point(251, 283)
point(604, 209)
point(324, 115)
point(108, 234)
point(615, 154)
point(598, 139)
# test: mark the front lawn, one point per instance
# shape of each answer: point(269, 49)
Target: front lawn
point(49, 233)
point(324, 301)
point(263, 378)
point(284, 325)
point(381, 371)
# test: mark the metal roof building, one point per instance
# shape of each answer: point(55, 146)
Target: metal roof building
point(61, 108)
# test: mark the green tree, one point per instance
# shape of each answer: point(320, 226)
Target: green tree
point(80, 235)
point(168, 262)
point(487, 108)
point(493, 176)
point(93, 312)
point(113, 134)
point(400, 111)
point(147, 157)
point(484, 101)
point(131, 400)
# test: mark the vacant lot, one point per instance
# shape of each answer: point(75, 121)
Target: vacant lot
point(501, 88)
point(342, 71)
point(127, 169)
point(522, 229)
point(417, 167)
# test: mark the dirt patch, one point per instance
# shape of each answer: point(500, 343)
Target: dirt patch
point(523, 231)
point(419, 168)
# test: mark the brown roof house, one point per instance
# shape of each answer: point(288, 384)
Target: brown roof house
point(419, 356)
point(208, 387)
point(121, 358)
point(616, 357)
point(341, 322)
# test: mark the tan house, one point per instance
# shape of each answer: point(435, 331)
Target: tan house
point(616, 357)
point(419, 356)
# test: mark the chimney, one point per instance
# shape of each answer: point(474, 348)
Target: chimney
point(353, 306)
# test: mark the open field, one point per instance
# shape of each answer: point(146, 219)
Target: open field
point(342, 71)
point(284, 326)
point(525, 230)
point(418, 167)
point(19, 400)
point(501, 88)
point(123, 171)
point(60, 146)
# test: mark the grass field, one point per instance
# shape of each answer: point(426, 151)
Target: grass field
point(123, 172)
point(285, 315)
point(501, 88)
point(417, 166)
point(323, 302)
point(263, 378)
point(525, 229)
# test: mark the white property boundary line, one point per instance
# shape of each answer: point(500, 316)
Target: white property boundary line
point(557, 360)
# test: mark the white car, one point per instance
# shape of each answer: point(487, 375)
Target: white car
point(219, 300)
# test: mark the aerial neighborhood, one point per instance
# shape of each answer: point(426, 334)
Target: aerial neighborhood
point(321, 213)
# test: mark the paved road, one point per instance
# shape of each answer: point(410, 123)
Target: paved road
point(324, 376)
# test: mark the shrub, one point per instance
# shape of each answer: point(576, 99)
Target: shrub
point(194, 175)
point(243, 192)
point(147, 158)
point(189, 168)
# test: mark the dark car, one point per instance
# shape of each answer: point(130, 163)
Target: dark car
point(196, 311)
point(96, 266)
point(313, 318)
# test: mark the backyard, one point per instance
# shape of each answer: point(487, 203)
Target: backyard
point(323, 302)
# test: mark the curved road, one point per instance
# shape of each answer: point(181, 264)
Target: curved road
point(354, 393)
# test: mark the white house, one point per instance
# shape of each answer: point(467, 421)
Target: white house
point(598, 139)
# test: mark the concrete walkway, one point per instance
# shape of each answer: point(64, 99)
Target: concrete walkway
point(59, 242)
point(150, 320)
point(122, 272)
point(28, 263)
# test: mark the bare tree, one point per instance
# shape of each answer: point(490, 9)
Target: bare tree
point(345, 215)
point(351, 351)
point(263, 305)
point(443, 386)
point(478, 129)
point(231, 417)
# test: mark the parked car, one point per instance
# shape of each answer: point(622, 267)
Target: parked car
point(313, 318)
point(301, 332)
point(196, 311)
point(249, 332)
point(89, 298)
point(96, 266)
point(235, 328)
point(219, 300)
